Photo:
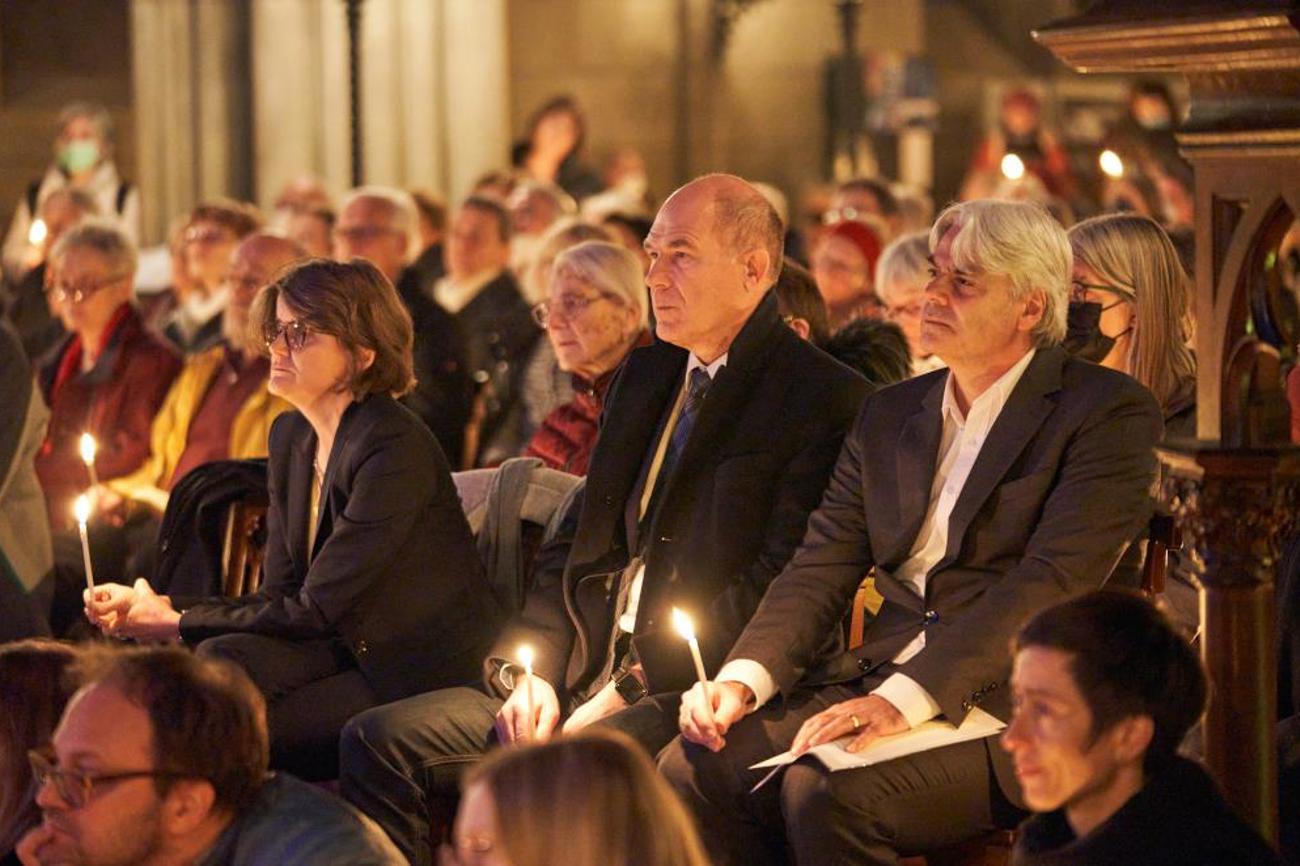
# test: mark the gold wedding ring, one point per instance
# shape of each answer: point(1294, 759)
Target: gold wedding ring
point(856, 724)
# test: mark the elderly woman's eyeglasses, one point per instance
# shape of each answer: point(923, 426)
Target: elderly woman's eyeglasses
point(1083, 292)
point(64, 293)
point(75, 788)
point(568, 307)
point(295, 333)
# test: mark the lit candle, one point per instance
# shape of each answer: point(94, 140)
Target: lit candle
point(88, 449)
point(1111, 164)
point(82, 511)
point(38, 232)
point(526, 659)
point(686, 628)
point(1013, 167)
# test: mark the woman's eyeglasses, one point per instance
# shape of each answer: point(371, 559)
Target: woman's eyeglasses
point(296, 334)
point(64, 293)
point(568, 307)
point(1081, 291)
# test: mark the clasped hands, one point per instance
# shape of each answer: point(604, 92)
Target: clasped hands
point(710, 709)
point(132, 612)
point(513, 724)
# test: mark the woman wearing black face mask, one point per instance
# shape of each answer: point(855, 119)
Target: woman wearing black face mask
point(1129, 310)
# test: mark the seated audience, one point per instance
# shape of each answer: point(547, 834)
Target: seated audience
point(33, 692)
point(901, 275)
point(844, 265)
point(801, 304)
point(378, 224)
point(876, 349)
point(483, 296)
point(26, 557)
point(534, 208)
point(30, 307)
point(979, 494)
point(588, 800)
point(1130, 311)
point(219, 407)
point(1104, 690)
point(108, 378)
point(1019, 131)
point(372, 588)
point(865, 200)
point(717, 442)
point(594, 314)
point(160, 757)
point(431, 231)
point(210, 235)
point(83, 160)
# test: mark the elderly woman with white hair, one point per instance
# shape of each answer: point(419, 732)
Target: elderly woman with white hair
point(901, 277)
point(594, 315)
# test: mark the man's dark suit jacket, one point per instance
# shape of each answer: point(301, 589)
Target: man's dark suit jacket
point(444, 388)
point(499, 337)
point(726, 522)
point(394, 575)
point(1059, 488)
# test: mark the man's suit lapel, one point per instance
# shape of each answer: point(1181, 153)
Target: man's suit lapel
point(1019, 420)
point(917, 454)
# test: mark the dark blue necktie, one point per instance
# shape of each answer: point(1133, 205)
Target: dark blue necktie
point(697, 385)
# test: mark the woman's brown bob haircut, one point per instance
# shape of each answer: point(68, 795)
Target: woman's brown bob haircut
point(356, 304)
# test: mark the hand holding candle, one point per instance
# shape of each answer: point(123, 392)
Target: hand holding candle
point(81, 510)
point(526, 659)
point(686, 628)
point(88, 449)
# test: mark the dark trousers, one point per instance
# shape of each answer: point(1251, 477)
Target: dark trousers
point(312, 688)
point(400, 761)
point(809, 815)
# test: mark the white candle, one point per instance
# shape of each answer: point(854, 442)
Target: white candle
point(88, 449)
point(686, 628)
point(526, 659)
point(82, 511)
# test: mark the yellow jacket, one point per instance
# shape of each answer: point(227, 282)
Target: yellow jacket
point(171, 427)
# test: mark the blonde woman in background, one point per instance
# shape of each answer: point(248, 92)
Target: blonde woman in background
point(1129, 310)
point(587, 800)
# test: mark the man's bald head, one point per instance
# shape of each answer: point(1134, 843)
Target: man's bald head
point(253, 265)
point(743, 218)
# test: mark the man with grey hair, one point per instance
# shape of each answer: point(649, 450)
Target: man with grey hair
point(380, 224)
point(716, 443)
point(978, 494)
point(83, 159)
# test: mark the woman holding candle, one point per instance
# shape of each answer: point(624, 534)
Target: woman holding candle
point(373, 589)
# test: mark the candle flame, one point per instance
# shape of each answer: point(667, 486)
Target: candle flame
point(682, 622)
point(525, 654)
point(82, 509)
point(88, 448)
point(1013, 167)
point(37, 234)
point(1111, 164)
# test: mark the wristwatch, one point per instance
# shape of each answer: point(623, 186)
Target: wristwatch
point(629, 686)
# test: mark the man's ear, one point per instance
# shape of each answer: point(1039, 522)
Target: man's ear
point(188, 803)
point(1035, 308)
point(801, 327)
point(1131, 737)
point(757, 265)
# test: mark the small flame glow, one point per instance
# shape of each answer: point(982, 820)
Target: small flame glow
point(37, 234)
point(682, 622)
point(1013, 167)
point(81, 509)
point(1111, 164)
point(525, 654)
point(88, 448)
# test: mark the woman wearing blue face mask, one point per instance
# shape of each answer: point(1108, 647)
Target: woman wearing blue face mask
point(83, 159)
point(1130, 311)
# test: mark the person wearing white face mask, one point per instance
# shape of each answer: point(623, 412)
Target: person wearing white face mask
point(83, 159)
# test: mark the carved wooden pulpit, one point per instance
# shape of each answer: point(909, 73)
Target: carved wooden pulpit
point(1236, 489)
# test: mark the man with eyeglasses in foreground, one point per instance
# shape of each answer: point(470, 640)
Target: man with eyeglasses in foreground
point(160, 759)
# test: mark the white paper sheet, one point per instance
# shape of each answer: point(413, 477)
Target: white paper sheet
point(928, 735)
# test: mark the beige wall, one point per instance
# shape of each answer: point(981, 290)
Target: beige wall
point(762, 117)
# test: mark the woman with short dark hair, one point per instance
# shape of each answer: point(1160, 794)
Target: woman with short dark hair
point(373, 590)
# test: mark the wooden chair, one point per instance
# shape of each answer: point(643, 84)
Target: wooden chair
point(245, 547)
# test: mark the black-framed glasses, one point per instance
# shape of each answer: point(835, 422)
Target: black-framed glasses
point(76, 788)
point(296, 334)
point(63, 293)
point(1079, 291)
point(569, 307)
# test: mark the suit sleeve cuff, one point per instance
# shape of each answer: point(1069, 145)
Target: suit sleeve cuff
point(909, 698)
point(752, 674)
